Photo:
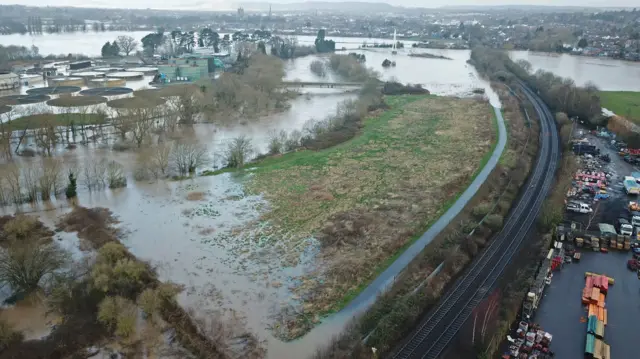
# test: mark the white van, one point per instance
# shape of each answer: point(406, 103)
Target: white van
point(579, 207)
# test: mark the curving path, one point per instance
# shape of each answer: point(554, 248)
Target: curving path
point(383, 282)
point(438, 327)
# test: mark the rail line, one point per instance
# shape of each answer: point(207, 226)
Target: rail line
point(439, 327)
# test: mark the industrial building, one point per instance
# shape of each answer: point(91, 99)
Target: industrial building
point(189, 68)
point(9, 80)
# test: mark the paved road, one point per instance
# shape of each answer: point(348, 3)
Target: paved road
point(386, 278)
point(440, 326)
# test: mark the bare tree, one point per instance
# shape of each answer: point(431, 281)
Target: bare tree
point(142, 120)
point(115, 175)
point(5, 141)
point(277, 141)
point(187, 157)
point(51, 177)
point(169, 116)
point(186, 105)
point(45, 136)
point(238, 151)
point(94, 173)
point(121, 122)
point(24, 266)
point(318, 68)
point(127, 44)
point(161, 156)
point(13, 176)
point(293, 141)
point(31, 173)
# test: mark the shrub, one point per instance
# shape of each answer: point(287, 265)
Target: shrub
point(238, 151)
point(466, 226)
point(20, 227)
point(118, 314)
point(277, 142)
point(317, 67)
point(494, 221)
point(71, 191)
point(293, 141)
point(115, 175)
point(481, 210)
point(8, 335)
point(116, 273)
point(187, 157)
point(24, 266)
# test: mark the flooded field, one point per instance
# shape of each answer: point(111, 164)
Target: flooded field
point(189, 230)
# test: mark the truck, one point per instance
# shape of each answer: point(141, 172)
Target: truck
point(585, 149)
point(630, 185)
point(624, 227)
point(635, 222)
point(578, 207)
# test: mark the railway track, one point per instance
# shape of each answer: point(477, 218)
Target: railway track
point(439, 327)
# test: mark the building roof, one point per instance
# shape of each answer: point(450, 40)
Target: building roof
point(7, 75)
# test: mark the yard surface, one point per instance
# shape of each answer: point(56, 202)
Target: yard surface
point(561, 312)
point(622, 103)
point(359, 203)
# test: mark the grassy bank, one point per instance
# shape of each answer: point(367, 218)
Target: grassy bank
point(622, 103)
point(47, 120)
point(367, 199)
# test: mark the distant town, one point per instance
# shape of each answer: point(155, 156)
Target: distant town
point(588, 32)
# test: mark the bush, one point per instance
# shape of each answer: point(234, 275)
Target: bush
point(20, 228)
point(115, 272)
point(71, 191)
point(115, 175)
point(238, 151)
point(8, 336)
point(24, 266)
point(562, 118)
point(318, 68)
point(396, 88)
point(494, 222)
point(118, 314)
point(481, 210)
point(277, 142)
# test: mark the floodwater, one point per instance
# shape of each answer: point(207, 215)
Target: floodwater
point(90, 43)
point(196, 243)
point(607, 74)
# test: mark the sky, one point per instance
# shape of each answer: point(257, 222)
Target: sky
point(231, 4)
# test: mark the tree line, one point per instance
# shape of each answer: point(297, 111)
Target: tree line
point(560, 94)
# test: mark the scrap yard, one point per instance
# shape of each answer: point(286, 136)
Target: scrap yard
point(586, 292)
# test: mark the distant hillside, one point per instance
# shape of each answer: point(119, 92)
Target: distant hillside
point(529, 8)
point(350, 6)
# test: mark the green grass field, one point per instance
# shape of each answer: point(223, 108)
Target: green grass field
point(366, 199)
point(45, 120)
point(623, 103)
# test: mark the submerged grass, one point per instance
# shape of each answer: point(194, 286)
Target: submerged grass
point(368, 199)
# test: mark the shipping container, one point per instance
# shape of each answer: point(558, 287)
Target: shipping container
point(599, 329)
point(590, 345)
point(597, 349)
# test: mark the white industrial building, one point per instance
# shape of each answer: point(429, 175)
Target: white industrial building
point(9, 80)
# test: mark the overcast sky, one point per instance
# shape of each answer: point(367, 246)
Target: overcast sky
point(230, 4)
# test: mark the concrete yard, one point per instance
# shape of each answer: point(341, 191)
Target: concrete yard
point(561, 308)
